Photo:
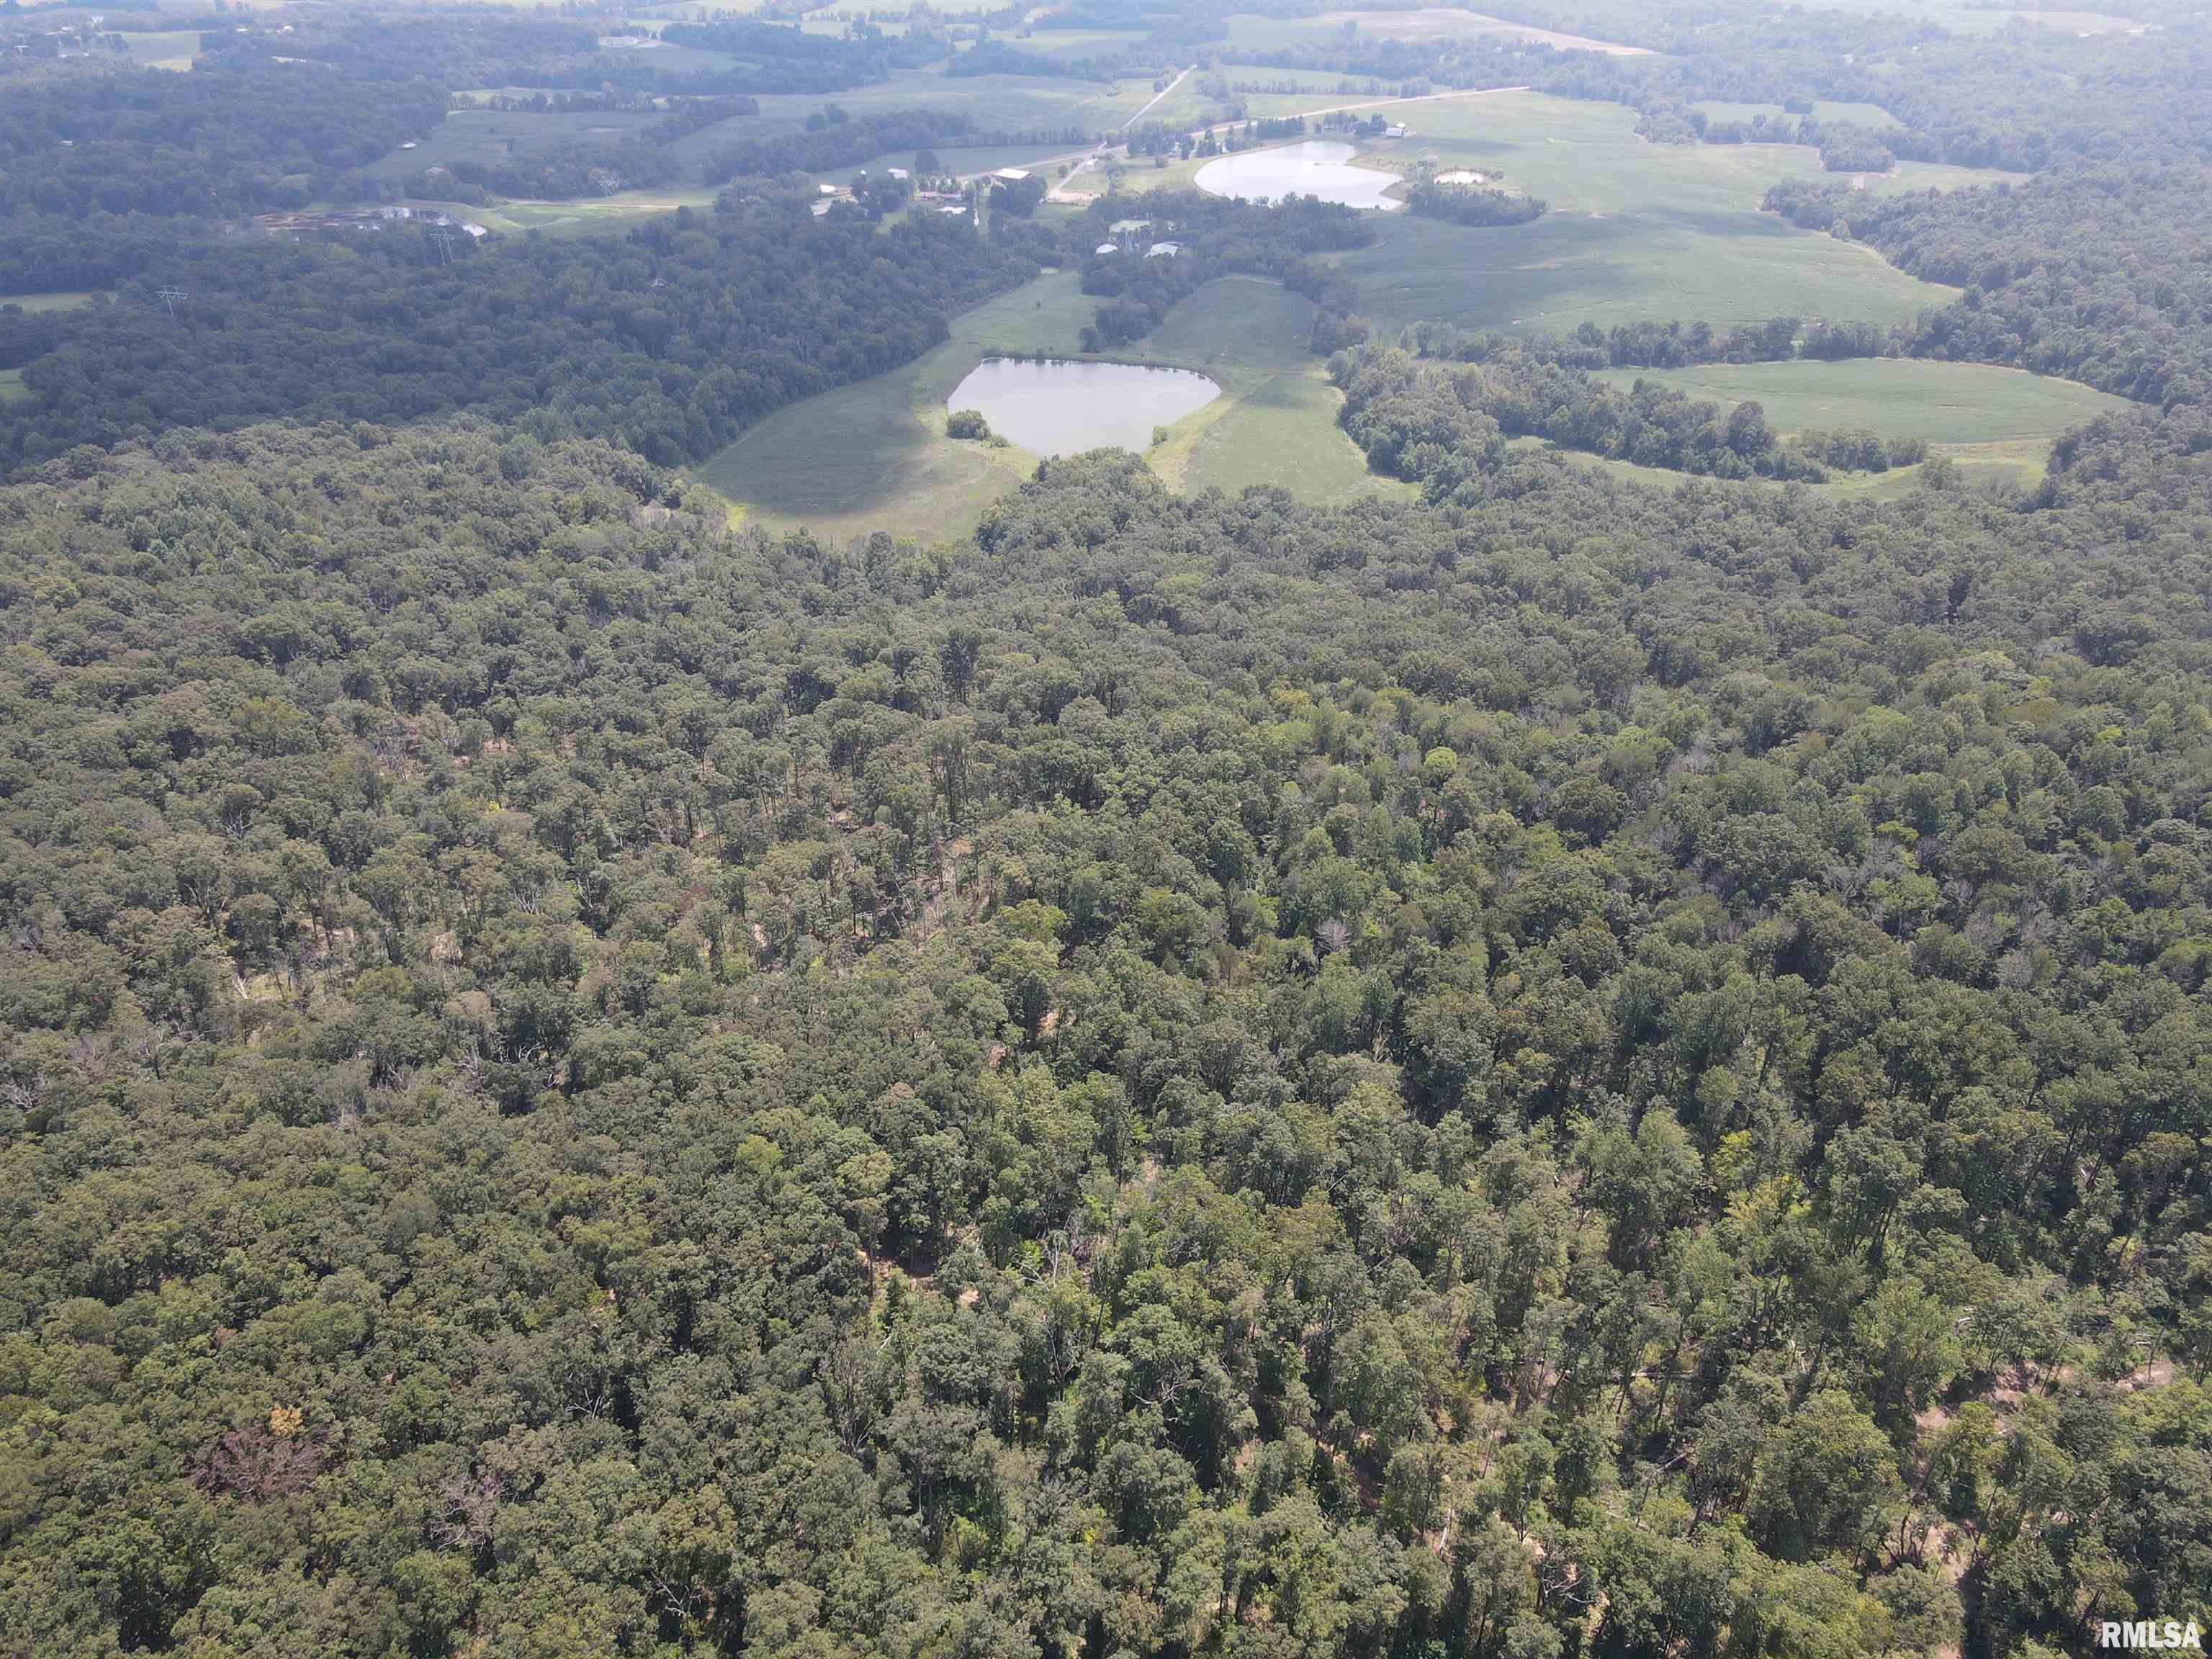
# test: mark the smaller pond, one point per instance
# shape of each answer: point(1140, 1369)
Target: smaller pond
point(1055, 407)
point(1314, 167)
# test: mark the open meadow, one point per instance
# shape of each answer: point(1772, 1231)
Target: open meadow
point(874, 456)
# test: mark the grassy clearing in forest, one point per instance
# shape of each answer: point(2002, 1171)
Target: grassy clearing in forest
point(1276, 422)
point(489, 136)
point(874, 456)
point(1425, 23)
point(168, 48)
point(1993, 426)
point(59, 300)
point(1946, 404)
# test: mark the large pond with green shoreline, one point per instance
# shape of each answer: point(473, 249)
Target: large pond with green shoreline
point(1060, 406)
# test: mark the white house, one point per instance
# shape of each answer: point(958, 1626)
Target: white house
point(1011, 175)
point(1163, 249)
point(1107, 247)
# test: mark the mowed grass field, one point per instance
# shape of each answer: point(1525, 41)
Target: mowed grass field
point(1277, 424)
point(874, 456)
point(1993, 426)
point(1423, 23)
point(1635, 230)
point(594, 215)
point(1947, 404)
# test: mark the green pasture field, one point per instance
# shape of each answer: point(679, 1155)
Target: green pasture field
point(12, 389)
point(2004, 470)
point(492, 135)
point(873, 456)
point(1425, 23)
point(1945, 404)
point(995, 103)
point(1276, 424)
point(1993, 426)
point(1636, 230)
point(591, 216)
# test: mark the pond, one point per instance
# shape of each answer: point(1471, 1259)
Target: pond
point(1055, 407)
point(1314, 167)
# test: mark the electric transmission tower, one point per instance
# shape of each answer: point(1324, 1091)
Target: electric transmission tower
point(444, 240)
point(169, 296)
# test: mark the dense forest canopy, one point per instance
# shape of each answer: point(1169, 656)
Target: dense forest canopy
point(1540, 1066)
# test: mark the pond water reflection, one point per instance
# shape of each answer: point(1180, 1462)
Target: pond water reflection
point(1315, 167)
point(1055, 407)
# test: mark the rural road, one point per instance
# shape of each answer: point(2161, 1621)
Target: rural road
point(1156, 96)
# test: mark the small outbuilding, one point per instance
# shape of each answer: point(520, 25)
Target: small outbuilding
point(1163, 249)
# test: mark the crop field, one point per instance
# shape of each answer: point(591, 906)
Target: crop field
point(491, 135)
point(1634, 230)
point(873, 456)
